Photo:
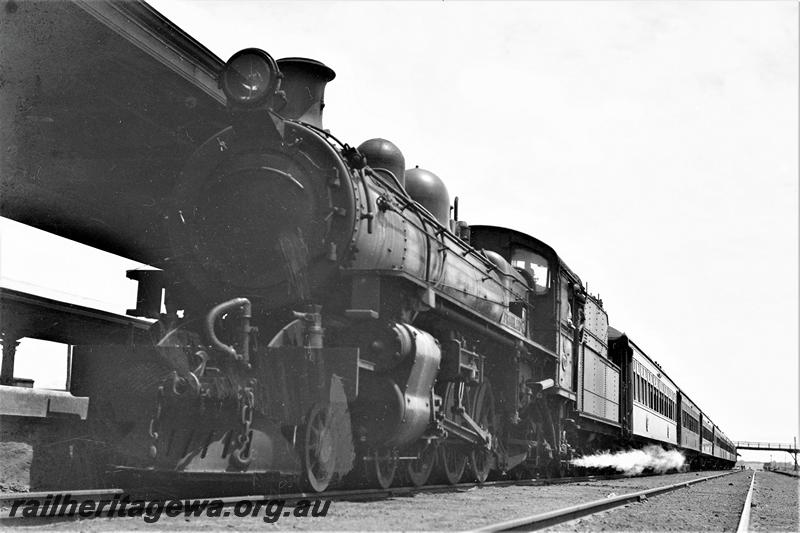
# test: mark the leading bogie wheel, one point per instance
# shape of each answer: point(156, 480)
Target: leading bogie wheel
point(319, 454)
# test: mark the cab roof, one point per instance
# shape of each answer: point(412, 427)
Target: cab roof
point(518, 237)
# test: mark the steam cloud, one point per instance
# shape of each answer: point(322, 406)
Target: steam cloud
point(633, 462)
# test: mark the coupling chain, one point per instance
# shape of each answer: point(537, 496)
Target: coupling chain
point(155, 422)
point(242, 453)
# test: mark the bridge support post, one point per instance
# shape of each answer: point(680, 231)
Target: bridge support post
point(9, 344)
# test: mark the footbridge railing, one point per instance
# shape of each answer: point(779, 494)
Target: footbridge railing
point(766, 446)
point(771, 446)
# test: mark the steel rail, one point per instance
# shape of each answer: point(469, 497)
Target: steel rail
point(80, 495)
point(559, 516)
point(409, 490)
point(781, 472)
point(371, 493)
point(744, 519)
point(376, 493)
point(364, 494)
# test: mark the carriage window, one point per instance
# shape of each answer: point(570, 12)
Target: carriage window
point(536, 265)
point(641, 389)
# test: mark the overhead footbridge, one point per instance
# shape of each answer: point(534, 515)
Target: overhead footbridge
point(770, 447)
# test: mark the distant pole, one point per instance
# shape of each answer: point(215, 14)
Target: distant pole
point(795, 453)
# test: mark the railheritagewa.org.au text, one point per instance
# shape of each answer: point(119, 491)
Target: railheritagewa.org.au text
point(64, 505)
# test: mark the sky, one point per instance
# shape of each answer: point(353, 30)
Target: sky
point(654, 145)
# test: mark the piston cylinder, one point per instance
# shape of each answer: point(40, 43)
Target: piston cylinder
point(396, 405)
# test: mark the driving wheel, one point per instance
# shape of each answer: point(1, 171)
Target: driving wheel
point(451, 463)
point(419, 470)
point(481, 459)
point(384, 468)
point(451, 460)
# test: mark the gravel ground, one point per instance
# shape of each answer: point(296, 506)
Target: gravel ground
point(15, 465)
point(466, 509)
point(776, 503)
point(16, 453)
point(715, 505)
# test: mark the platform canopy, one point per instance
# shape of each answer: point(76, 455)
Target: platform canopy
point(101, 103)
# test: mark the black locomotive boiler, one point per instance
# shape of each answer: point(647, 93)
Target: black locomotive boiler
point(322, 319)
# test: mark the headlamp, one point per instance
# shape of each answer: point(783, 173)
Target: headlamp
point(250, 78)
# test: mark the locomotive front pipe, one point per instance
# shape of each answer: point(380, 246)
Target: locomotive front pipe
point(225, 307)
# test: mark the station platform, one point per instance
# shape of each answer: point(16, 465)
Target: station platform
point(40, 403)
point(26, 315)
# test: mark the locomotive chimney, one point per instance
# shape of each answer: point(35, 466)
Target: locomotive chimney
point(304, 84)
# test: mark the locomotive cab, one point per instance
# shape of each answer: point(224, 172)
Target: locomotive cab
point(572, 324)
point(554, 302)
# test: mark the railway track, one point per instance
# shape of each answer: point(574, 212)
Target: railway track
point(567, 514)
point(744, 519)
point(781, 472)
point(376, 494)
point(365, 494)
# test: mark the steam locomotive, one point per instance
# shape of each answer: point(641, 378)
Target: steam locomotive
point(325, 318)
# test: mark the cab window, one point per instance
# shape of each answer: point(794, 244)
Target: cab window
point(534, 264)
